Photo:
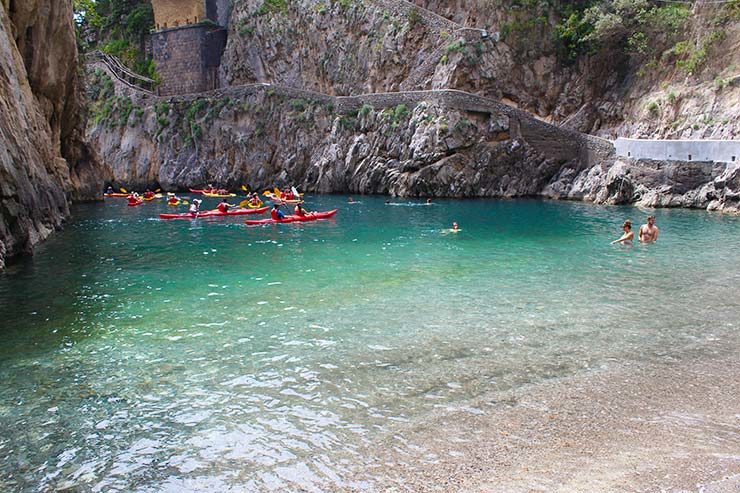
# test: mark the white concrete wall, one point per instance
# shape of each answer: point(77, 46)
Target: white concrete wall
point(724, 151)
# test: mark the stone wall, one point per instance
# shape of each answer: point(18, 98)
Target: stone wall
point(188, 58)
point(722, 151)
point(174, 13)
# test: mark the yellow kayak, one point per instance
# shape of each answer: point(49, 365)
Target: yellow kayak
point(207, 194)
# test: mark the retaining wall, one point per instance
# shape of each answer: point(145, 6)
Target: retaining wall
point(721, 151)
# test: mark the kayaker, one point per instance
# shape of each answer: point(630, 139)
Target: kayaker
point(224, 206)
point(254, 199)
point(134, 198)
point(148, 194)
point(276, 213)
point(455, 226)
point(350, 200)
point(299, 211)
point(194, 206)
point(110, 190)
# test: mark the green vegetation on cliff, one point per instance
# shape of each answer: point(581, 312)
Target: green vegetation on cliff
point(119, 28)
point(644, 32)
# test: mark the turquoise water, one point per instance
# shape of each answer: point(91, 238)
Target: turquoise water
point(143, 355)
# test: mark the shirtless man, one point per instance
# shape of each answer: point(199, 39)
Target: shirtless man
point(649, 232)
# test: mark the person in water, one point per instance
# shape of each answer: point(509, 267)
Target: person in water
point(649, 232)
point(276, 213)
point(455, 226)
point(224, 206)
point(627, 236)
point(350, 200)
point(429, 201)
point(195, 206)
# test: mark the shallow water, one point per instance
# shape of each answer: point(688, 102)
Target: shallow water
point(143, 355)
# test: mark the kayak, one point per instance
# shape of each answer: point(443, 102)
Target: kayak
point(173, 202)
point(276, 199)
point(255, 206)
point(116, 195)
point(213, 213)
point(310, 216)
point(134, 204)
point(149, 199)
point(210, 194)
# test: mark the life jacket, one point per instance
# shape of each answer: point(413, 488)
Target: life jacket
point(223, 207)
point(299, 211)
point(148, 195)
point(275, 214)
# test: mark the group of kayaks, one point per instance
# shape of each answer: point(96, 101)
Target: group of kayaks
point(252, 206)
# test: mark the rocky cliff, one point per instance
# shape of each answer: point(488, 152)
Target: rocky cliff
point(43, 160)
point(438, 143)
point(298, 124)
point(679, 80)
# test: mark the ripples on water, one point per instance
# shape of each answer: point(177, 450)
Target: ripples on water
point(204, 355)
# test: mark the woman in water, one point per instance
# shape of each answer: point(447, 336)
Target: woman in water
point(628, 235)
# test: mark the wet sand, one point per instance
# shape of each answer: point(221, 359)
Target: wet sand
point(672, 426)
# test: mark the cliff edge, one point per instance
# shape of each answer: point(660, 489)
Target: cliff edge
point(44, 161)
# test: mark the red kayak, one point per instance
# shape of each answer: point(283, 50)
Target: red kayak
point(310, 216)
point(135, 203)
point(214, 213)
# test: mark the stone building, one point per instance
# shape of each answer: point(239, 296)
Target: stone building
point(187, 44)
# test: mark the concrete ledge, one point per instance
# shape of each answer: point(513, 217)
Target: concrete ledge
point(721, 151)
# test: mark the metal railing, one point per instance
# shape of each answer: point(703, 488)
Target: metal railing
point(123, 73)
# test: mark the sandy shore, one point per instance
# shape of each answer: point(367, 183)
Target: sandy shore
point(673, 427)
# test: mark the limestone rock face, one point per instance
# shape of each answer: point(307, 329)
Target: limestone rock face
point(385, 45)
point(43, 161)
point(265, 138)
point(424, 144)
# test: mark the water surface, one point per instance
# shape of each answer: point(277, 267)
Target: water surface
point(148, 355)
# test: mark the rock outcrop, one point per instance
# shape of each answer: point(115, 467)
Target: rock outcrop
point(438, 143)
point(43, 159)
point(392, 45)
point(422, 143)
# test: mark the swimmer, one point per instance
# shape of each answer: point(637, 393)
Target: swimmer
point(627, 236)
point(649, 232)
point(454, 229)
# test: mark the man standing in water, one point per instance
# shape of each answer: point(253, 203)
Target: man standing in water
point(649, 232)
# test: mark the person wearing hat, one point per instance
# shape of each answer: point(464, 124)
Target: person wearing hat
point(195, 206)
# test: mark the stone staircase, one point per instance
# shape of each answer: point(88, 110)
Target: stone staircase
point(123, 74)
